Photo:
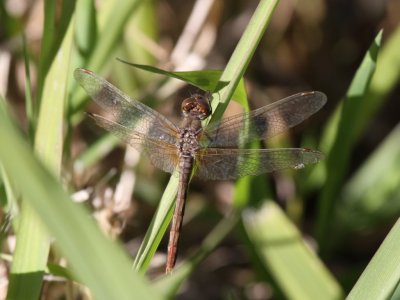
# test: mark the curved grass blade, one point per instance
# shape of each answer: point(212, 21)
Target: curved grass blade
point(96, 261)
point(372, 196)
point(281, 249)
point(206, 80)
point(33, 242)
point(114, 19)
point(352, 115)
point(382, 275)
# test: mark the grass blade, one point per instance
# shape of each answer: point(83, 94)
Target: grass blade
point(371, 196)
point(33, 243)
point(47, 46)
point(295, 268)
point(97, 262)
point(205, 80)
point(115, 20)
point(382, 275)
point(28, 92)
point(352, 115)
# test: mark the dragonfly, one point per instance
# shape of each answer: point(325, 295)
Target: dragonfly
point(216, 151)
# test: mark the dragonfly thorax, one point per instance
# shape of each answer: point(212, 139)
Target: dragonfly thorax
point(188, 144)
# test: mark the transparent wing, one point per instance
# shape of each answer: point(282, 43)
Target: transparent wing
point(163, 155)
point(262, 123)
point(227, 164)
point(128, 113)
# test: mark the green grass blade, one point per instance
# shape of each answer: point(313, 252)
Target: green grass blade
point(97, 262)
point(146, 21)
point(386, 76)
point(382, 275)
point(352, 115)
point(206, 80)
point(86, 35)
point(28, 92)
point(242, 55)
point(115, 20)
point(49, 138)
point(86, 32)
point(143, 19)
point(372, 195)
point(33, 243)
point(47, 46)
point(232, 74)
point(54, 30)
point(295, 268)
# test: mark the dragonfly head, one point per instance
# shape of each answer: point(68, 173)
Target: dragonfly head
point(196, 106)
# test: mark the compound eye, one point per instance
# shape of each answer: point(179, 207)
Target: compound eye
point(188, 105)
point(203, 107)
point(196, 106)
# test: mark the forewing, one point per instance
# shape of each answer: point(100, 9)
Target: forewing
point(262, 123)
point(228, 164)
point(125, 111)
point(163, 155)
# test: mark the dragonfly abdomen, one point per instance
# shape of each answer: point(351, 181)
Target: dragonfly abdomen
point(185, 169)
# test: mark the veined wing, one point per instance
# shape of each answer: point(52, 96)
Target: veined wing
point(262, 123)
point(163, 155)
point(227, 164)
point(128, 113)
